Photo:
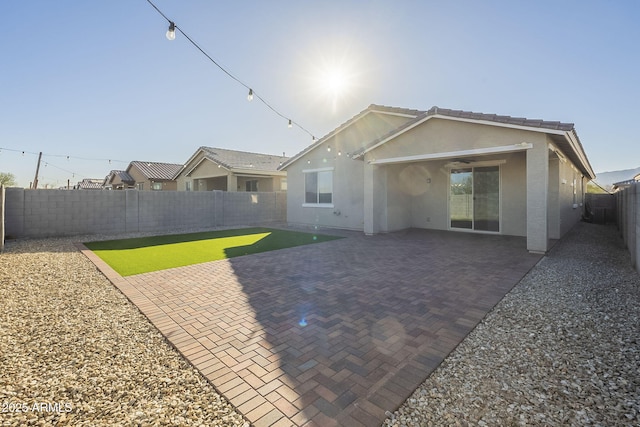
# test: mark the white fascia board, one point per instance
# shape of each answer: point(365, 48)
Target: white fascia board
point(184, 167)
point(453, 154)
point(576, 147)
point(330, 168)
point(257, 173)
point(391, 113)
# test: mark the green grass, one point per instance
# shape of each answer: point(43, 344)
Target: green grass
point(145, 254)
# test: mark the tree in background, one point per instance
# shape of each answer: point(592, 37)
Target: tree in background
point(8, 179)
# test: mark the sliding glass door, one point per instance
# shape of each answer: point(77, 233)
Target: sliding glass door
point(474, 201)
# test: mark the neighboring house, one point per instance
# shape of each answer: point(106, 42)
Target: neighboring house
point(389, 169)
point(229, 170)
point(89, 184)
point(619, 186)
point(153, 175)
point(118, 180)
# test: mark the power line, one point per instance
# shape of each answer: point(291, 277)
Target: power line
point(68, 157)
point(252, 92)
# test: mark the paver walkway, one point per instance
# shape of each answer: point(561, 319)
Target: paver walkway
point(334, 333)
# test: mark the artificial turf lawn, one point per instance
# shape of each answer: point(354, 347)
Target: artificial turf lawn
point(145, 254)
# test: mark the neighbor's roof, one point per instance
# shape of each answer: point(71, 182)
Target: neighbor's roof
point(90, 184)
point(232, 159)
point(155, 170)
point(569, 141)
point(123, 175)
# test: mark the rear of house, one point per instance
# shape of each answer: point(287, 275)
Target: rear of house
point(389, 169)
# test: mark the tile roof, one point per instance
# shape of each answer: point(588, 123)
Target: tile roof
point(90, 184)
point(232, 159)
point(520, 121)
point(123, 175)
point(155, 170)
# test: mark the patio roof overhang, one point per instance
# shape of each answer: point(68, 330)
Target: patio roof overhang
point(454, 154)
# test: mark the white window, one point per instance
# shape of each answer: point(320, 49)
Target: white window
point(156, 186)
point(141, 186)
point(187, 186)
point(318, 187)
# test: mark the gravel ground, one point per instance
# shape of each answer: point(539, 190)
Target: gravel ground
point(562, 348)
point(74, 351)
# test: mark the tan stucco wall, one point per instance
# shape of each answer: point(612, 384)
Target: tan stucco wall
point(139, 178)
point(569, 214)
point(443, 135)
point(348, 179)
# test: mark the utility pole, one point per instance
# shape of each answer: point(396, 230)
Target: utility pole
point(35, 181)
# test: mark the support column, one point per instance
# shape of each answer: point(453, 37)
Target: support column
point(375, 199)
point(537, 198)
point(232, 182)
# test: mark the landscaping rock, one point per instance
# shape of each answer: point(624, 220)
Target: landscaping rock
point(75, 351)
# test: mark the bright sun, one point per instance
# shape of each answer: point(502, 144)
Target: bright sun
point(335, 81)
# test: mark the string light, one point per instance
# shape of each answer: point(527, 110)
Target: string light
point(171, 32)
point(171, 36)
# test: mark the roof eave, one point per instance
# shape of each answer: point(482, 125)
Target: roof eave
point(370, 109)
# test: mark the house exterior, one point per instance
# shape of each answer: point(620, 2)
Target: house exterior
point(118, 180)
point(211, 169)
point(389, 169)
point(153, 175)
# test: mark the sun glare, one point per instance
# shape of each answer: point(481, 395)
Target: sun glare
point(335, 81)
point(335, 73)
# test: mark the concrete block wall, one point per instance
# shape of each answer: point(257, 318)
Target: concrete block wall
point(48, 213)
point(251, 208)
point(628, 214)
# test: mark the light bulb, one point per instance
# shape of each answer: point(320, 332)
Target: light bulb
point(171, 32)
point(290, 124)
point(250, 96)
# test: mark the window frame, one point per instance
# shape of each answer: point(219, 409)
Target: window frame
point(318, 204)
point(248, 186)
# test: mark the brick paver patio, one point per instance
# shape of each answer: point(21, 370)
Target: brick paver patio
point(334, 333)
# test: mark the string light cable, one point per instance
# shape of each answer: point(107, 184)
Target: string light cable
point(68, 157)
point(252, 93)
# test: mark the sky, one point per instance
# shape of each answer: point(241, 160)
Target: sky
point(94, 85)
